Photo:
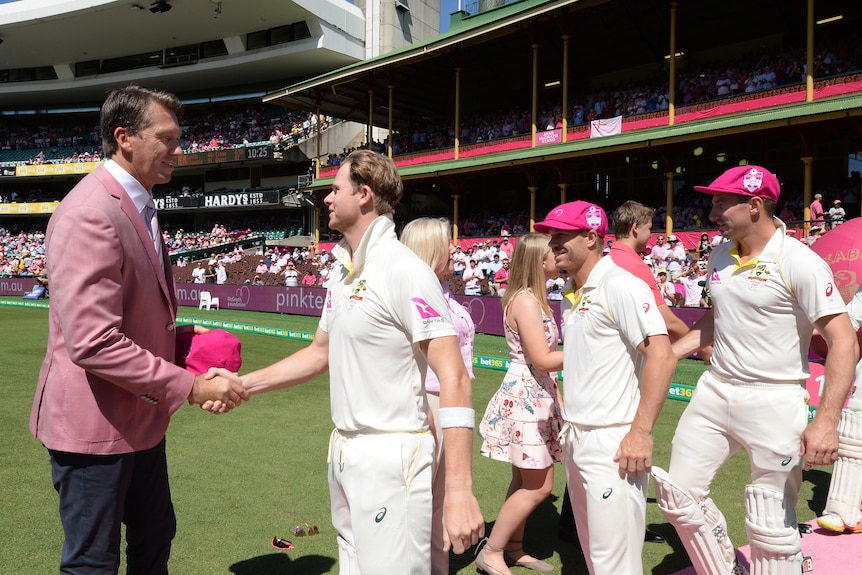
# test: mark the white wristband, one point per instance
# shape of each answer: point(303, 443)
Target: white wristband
point(457, 417)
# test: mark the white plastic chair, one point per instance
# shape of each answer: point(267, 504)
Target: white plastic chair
point(208, 301)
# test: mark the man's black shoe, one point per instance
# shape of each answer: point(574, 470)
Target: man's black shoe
point(653, 537)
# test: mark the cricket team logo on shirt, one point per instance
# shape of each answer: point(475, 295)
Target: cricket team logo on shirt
point(758, 276)
point(358, 291)
point(584, 305)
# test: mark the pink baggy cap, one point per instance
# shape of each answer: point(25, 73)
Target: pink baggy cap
point(577, 215)
point(197, 352)
point(745, 181)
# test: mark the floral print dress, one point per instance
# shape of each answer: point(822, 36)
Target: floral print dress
point(523, 419)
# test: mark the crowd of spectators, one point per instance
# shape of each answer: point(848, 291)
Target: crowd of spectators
point(481, 268)
point(214, 127)
point(769, 69)
point(22, 253)
point(64, 138)
point(181, 241)
point(69, 138)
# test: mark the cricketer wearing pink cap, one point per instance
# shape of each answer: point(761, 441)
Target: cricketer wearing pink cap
point(617, 365)
point(768, 294)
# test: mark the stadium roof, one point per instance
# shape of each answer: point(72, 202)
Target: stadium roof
point(39, 37)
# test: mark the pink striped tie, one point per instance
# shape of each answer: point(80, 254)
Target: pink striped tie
point(153, 223)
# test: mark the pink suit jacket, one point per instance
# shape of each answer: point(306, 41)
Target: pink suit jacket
point(108, 383)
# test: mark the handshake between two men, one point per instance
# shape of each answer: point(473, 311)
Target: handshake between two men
point(214, 357)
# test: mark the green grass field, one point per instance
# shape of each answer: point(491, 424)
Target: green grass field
point(240, 478)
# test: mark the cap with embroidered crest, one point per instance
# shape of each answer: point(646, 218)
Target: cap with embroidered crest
point(572, 216)
point(753, 181)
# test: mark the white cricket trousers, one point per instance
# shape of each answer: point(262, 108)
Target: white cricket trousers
point(766, 419)
point(380, 489)
point(439, 558)
point(610, 512)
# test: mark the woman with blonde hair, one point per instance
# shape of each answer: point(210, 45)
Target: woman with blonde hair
point(522, 420)
point(429, 239)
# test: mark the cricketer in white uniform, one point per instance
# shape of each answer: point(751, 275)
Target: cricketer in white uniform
point(845, 488)
point(768, 292)
point(384, 322)
point(617, 367)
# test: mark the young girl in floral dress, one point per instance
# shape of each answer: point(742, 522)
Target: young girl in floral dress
point(522, 420)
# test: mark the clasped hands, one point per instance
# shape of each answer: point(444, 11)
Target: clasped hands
point(218, 391)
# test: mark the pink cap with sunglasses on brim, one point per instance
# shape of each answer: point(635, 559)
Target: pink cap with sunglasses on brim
point(575, 216)
point(751, 181)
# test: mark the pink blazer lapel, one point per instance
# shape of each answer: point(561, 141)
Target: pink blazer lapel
point(160, 266)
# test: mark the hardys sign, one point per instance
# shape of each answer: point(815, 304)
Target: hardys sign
point(243, 198)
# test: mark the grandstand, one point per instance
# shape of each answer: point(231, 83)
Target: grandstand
point(489, 121)
point(57, 60)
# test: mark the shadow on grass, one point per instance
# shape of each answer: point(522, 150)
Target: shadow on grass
point(541, 540)
point(678, 559)
point(280, 563)
point(819, 480)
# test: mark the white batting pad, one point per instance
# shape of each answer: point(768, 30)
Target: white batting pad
point(845, 489)
point(701, 526)
point(773, 534)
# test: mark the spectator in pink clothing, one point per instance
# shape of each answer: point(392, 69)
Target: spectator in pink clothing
point(507, 247)
point(816, 210)
point(429, 239)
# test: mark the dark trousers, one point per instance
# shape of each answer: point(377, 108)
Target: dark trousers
point(567, 516)
point(98, 493)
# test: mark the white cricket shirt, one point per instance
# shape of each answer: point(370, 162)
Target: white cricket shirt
point(376, 316)
point(764, 309)
point(603, 323)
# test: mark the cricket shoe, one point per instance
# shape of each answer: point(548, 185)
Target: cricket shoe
point(832, 522)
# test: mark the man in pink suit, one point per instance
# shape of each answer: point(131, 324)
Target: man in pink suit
point(109, 384)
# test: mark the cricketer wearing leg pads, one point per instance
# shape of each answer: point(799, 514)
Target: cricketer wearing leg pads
point(773, 534)
point(845, 489)
point(700, 525)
